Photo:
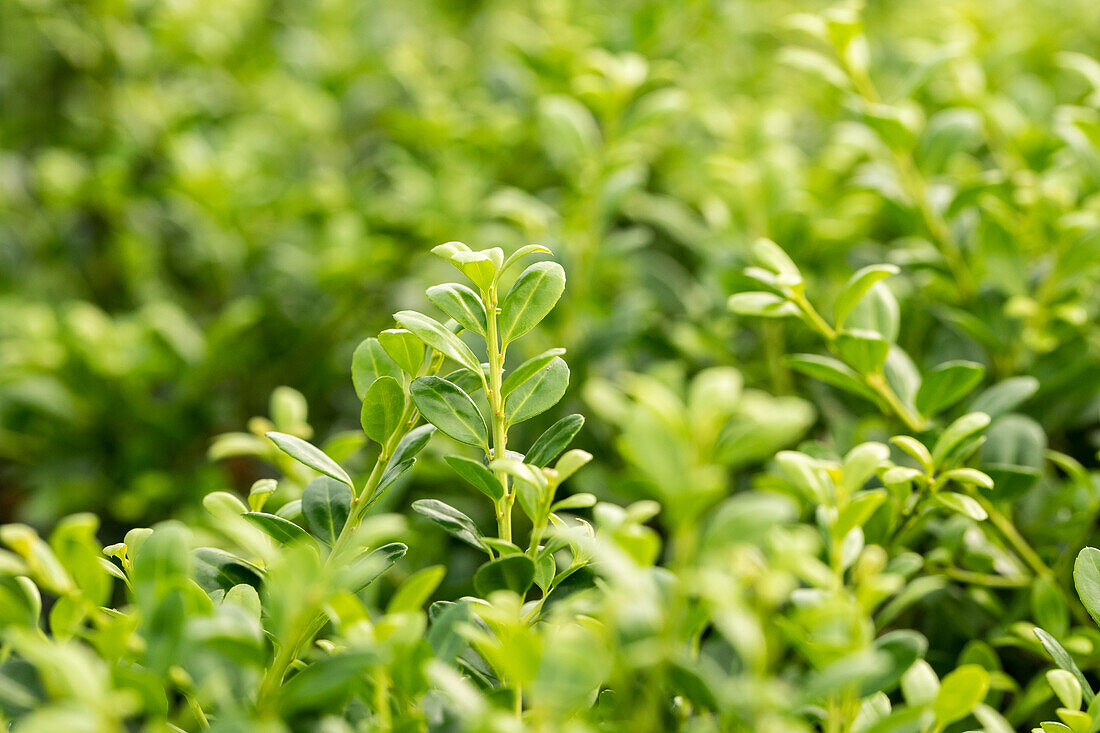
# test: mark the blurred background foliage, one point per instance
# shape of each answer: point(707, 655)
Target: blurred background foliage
point(201, 201)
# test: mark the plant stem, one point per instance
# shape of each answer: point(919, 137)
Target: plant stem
point(496, 408)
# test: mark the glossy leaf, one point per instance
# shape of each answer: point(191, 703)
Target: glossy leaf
point(309, 455)
point(554, 440)
point(477, 475)
point(856, 287)
point(531, 297)
point(281, 530)
point(404, 348)
point(451, 520)
point(947, 384)
point(383, 409)
point(326, 505)
point(515, 573)
point(439, 338)
point(450, 409)
point(528, 369)
point(369, 362)
point(462, 304)
point(539, 393)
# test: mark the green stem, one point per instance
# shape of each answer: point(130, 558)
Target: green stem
point(496, 408)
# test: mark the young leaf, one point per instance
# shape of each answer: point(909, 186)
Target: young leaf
point(1064, 661)
point(552, 442)
point(450, 409)
point(326, 505)
point(383, 408)
point(452, 521)
point(947, 384)
point(413, 442)
point(460, 303)
point(539, 393)
point(477, 475)
point(309, 455)
point(956, 433)
point(406, 350)
point(524, 251)
point(762, 304)
point(532, 296)
point(770, 255)
point(393, 472)
point(259, 493)
point(1005, 396)
point(916, 449)
point(962, 504)
point(959, 692)
point(417, 589)
point(324, 684)
point(856, 287)
point(439, 338)
point(481, 266)
point(281, 530)
point(512, 572)
point(528, 369)
point(369, 362)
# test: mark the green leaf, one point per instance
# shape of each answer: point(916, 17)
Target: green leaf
point(417, 589)
point(574, 501)
point(916, 449)
point(260, 492)
point(412, 443)
point(446, 406)
point(309, 455)
point(903, 648)
point(1005, 396)
point(528, 369)
point(762, 304)
point(1064, 661)
point(439, 338)
point(326, 684)
point(856, 287)
point(462, 304)
point(533, 295)
point(1086, 578)
point(281, 530)
point(452, 521)
point(956, 433)
point(477, 475)
point(865, 351)
point(539, 393)
point(962, 504)
point(383, 409)
point(512, 572)
point(552, 442)
point(877, 311)
point(216, 569)
point(369, 362)
point(524, 251)
point(770, 255)
point(832, 372)
point(406, 350)
point(947, 384)
point(960, 691)
point(326, 505)
point(858, 511)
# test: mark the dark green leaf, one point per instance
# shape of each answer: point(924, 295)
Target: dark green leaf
point(326, 505)
point(477, 475)
point(325, 684)
point(539, 393)
point(451, 520)
point(552, 442)
point(512, 572)
point(383, 409)
point(309, 455)
point(1086, 578)
point(1005, 396)
point(532, 296)
point(832, 372)
point(413, 442)
point(216, 569)
point(528, 369)
point(282, 531)
point(462, 304)
point(1064, 661)
point(450, 409)
point(439, 338)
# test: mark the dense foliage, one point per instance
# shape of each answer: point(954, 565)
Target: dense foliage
point(833, 282)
